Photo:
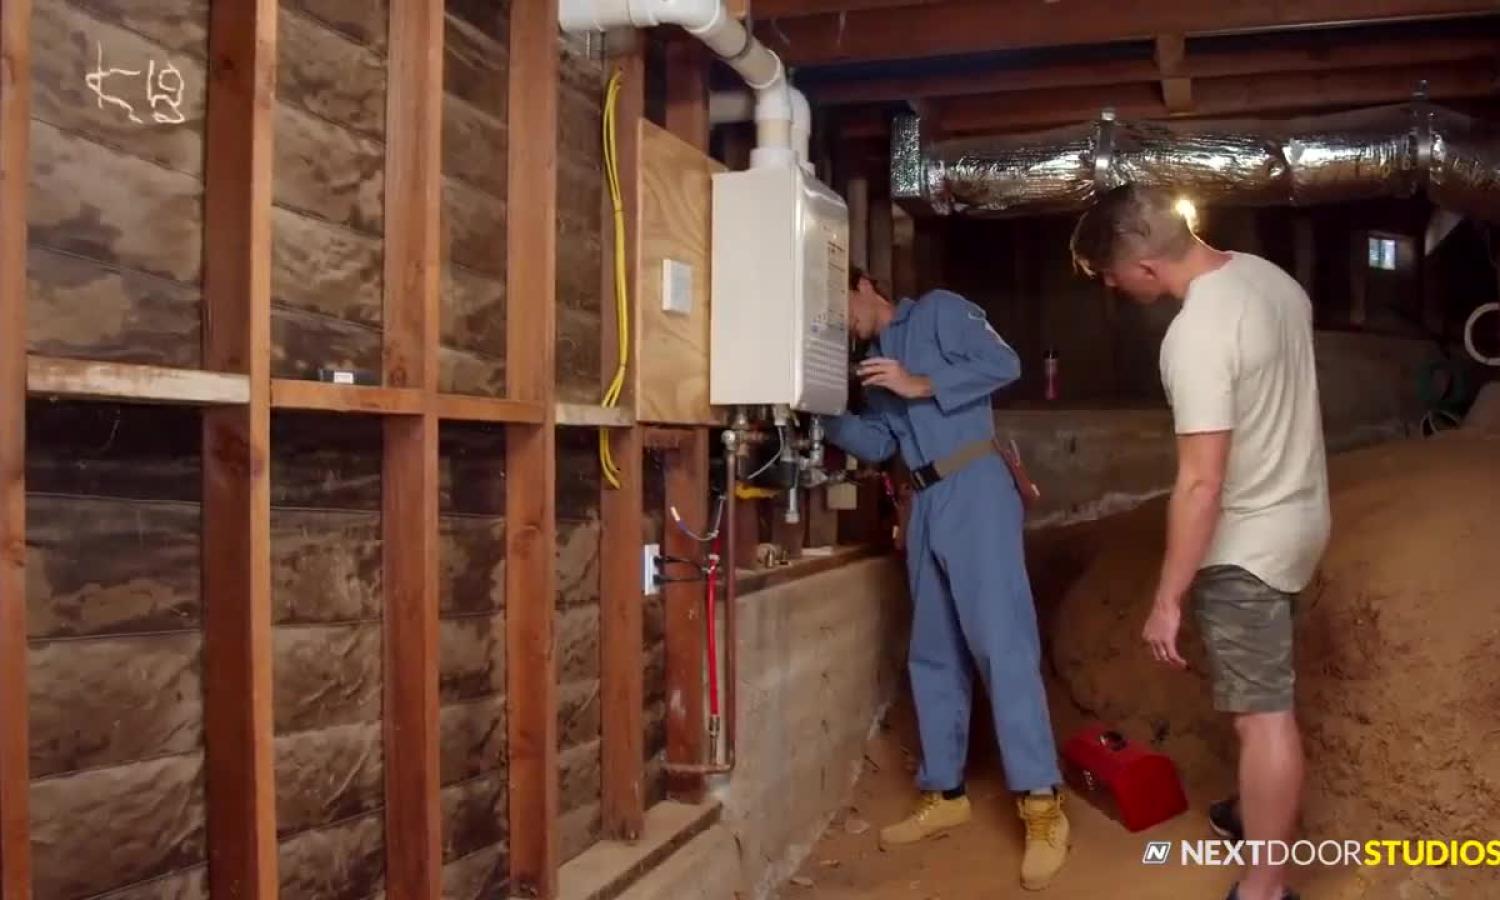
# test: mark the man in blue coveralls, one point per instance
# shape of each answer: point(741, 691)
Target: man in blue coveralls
point(933, 365)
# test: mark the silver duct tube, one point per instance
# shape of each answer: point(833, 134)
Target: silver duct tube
point(1390, 151)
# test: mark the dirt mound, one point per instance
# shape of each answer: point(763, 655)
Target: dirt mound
point(1398, 642)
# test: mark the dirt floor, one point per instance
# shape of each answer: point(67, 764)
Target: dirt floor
point(1399, 695)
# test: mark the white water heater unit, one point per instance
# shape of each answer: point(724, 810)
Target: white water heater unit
point(780, 305)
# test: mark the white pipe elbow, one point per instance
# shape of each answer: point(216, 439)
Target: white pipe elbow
point(801, 128)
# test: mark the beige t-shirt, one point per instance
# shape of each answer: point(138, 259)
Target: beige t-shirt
point(1239, 357)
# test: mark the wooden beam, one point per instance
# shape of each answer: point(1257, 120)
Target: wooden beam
point(978, 26)
point(1268, 58)
point(687, 90)
point(409, 523)
point(290, 393)
point(687, 492)
point(786, 9)
point(1259, 94)
point(589, 416)
point(621, 510)
point(531, 450)
point(464, 408)
point(236, 574)
point(86, 379)
point(15, 125)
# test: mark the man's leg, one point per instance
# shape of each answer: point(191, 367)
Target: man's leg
point(941, 686)
point(1247, 628)
point(1270, 791)
point(980, 545)
point(981, 548)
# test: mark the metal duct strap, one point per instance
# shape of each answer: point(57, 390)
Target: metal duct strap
point(1383, 152)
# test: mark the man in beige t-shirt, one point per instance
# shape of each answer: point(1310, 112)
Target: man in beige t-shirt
point(1249, 518)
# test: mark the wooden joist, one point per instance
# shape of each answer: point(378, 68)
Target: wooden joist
point(1218, 97)
point(15, 91)
point(86, 379)
point(531, 449)
point(978, 26)
point(237, 712)
point(1270, 57)
point(621, 635)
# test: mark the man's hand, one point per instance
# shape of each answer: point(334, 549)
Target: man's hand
point(1160, 633)
point(891, 375)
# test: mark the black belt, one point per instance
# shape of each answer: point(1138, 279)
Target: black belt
point(926, 476)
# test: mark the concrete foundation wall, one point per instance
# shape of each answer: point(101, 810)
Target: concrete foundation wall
point(1094, 463)
point(819, 661)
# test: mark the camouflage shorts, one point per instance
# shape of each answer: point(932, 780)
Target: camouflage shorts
point(1247, 627)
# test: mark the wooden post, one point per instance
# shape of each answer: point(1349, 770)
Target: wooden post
point(15, 123)
point(686, 489)
point(409, 522)
point(687, 90)
point(622, 654)
point(531, 449)
point(237, 711)
point(882, 233)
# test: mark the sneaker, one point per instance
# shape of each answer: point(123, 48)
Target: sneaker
point(934, 815)
point(1224, 819)
point(1047, 835)
point(1286, 893)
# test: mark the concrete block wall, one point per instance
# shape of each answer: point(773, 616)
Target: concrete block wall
point(1094, 463)
point(819, 660)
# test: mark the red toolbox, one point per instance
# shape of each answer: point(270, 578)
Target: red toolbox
point(1138, 788)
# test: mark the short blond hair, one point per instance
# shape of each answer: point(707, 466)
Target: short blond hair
point(1130, 222)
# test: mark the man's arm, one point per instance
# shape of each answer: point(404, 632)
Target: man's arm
point(978, 363)
point(865, 435)
point(1193, 511)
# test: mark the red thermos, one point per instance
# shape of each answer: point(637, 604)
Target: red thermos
point(1137, 787)
point(1049, 365)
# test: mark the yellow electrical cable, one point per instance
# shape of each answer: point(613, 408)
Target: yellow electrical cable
point(622, 290)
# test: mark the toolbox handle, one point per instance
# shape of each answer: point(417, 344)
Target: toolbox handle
point(1114, 740)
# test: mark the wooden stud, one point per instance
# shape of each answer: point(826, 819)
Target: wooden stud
point(413, 813)
point(687, 492)
point(1176, 89)
point(621, 635)
point(237, 711)
point(531, 450)
point(15, 124)
point(86, 379)
point(980, 26)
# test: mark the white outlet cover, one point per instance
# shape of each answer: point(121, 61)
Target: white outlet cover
point(676, 287)
point(649, 566)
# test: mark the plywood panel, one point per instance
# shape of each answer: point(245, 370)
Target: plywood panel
point(344, 861)
point(329, 171)
point(323, 72)
point(328, 776)
point(86, 310)
point(675, 223)
point(478, 876)
point(362, 21)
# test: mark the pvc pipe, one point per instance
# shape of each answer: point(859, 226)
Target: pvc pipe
point(776, 130)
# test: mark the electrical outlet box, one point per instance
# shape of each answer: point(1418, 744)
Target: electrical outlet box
point(651, 563)
point(676, 287)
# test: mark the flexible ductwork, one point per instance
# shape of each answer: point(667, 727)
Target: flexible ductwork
point(1384, 152)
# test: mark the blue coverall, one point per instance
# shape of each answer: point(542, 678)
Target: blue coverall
point(963, 544)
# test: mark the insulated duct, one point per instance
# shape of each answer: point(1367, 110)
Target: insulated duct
point(1390, 151)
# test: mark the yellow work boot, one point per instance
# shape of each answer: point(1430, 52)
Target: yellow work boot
point(1046, 839)
point(934, 814)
